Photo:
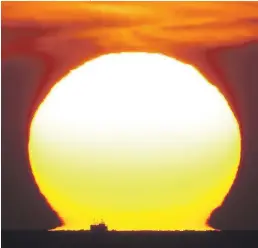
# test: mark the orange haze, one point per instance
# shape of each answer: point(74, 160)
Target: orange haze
point(135, 25)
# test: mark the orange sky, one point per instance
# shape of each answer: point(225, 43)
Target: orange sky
point(104, 26)
point(136, 25)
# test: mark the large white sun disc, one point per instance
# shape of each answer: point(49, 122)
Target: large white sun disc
point(125, 119)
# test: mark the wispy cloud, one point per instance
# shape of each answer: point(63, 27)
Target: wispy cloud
point(137, 25)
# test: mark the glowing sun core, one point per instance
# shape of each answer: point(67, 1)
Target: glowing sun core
point(139, 140)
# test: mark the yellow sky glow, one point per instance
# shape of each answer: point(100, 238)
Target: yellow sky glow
point(139, 140)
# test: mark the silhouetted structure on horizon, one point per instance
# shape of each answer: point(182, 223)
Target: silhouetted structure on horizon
point(99, 228)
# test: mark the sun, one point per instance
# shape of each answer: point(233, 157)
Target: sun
point(140, 140)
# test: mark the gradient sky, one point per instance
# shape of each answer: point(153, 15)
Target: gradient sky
point(42, 41)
